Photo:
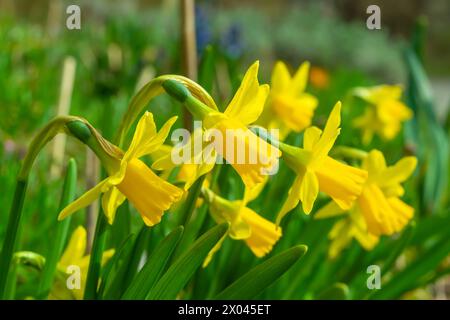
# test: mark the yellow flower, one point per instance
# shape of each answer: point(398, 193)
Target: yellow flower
point(378, 210)
point(385, 112)
point(289, 106)
point(353, 226)
point(131, 178)
point(317, 171)
point(379, 202)
point(74, 256)
point(259, 234)
point(227, 133)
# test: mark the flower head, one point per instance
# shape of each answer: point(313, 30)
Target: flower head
point(289, 107)
point(316, 170)
point(353, 226)
point(378, 210)
point(385, 112)
point(75, 255)
point(259, 234)
point(131, 178)
point(227, 132)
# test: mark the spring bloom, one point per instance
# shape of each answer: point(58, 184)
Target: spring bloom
point(74, 257)
point(227, 132)
point(131, 178)
point(289, 107)
point(259, 234)
point(317, 171)
point(378, 210)
point(384, 114)
point(352, 226)
point(380, 202)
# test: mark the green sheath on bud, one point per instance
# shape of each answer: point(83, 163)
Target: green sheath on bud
point(80, 130)
point(176, 89)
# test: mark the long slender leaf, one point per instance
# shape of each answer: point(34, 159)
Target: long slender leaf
point(182, 270)
point(151, 271)
point(260, 277)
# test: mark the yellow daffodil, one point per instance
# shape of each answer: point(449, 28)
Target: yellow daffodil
point(74, 256)
point(353, 226)
point(227, 132)
point(378, 210)
point(131, 178)
point(317, 171)
point(259, 234)
point(380, 204)
point(385, 113)
point(289, 107)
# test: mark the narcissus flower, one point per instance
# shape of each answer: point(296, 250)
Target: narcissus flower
point(250, 156)
point(384, 114)
point(353, 226)
point(259, 234)
point(379, 202)
point(378, 210)
point(289, 107)
point(74, 257)
point(317, 171)
point(131, 178)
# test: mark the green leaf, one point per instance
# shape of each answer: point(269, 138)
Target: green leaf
point(60, 232)
point(181, 271)
point(113, 280)
point(405, 279)
point(151, 271)
point(206, 71)
point(260, 277)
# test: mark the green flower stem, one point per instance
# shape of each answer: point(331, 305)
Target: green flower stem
point(178, 91)
point(347, 152)
point(98, 246)
point(11, 233)
point(61, 232)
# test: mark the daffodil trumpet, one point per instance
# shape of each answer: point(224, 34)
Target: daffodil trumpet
point(232, 139)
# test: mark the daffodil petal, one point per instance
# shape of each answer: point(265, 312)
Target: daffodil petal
point(111, 200)
point(151, 143)
point(398, 172)
point(86, 199)
point(281, 78)
point(213, 251)
point(76, 248)
point(330, 133)
point(311, 137)
point(300, 78)
point(309, 190)
point(292, 200)
point(248, 102)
